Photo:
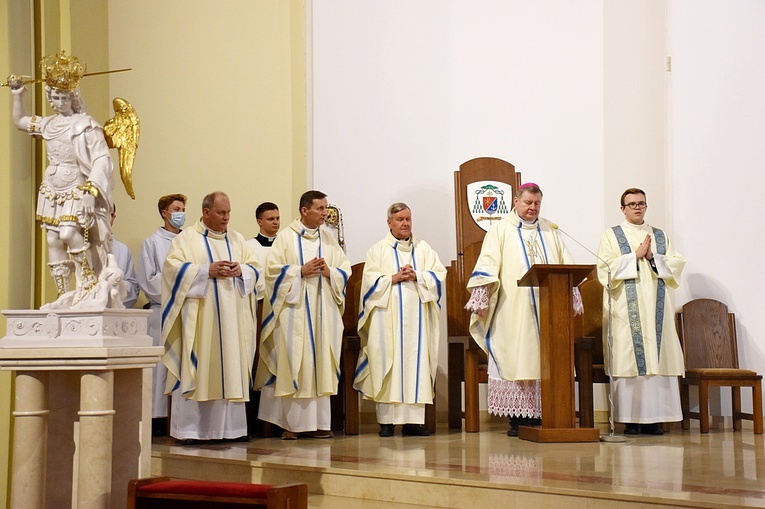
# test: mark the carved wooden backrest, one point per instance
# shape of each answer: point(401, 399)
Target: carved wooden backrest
point(469, 234)
point(592, 318)
point(353, 300)
point(708, 335)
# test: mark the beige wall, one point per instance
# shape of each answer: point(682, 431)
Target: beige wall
point(219, 88)
point(16, 195)
point(220, 91)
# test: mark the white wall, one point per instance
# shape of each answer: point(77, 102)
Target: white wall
point(404, 92)
point(576, 95)
point(718, 165)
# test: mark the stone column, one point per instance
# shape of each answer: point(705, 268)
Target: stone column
point(96, 415)
point(30, 437)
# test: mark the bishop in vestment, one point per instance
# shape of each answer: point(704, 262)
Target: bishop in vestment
point(301, 337)
point(644, 270)
point(399, 326)
point(505, 318)
point(209, 281)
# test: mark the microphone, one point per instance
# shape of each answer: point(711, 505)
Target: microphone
point(556, 227)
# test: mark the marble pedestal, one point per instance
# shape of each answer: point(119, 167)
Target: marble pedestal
point(82, 414)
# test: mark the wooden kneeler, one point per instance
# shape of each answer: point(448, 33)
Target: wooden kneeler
point(166, 493)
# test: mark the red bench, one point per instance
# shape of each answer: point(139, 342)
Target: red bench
point(166, 493)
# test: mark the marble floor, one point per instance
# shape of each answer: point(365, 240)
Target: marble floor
point(489, 469)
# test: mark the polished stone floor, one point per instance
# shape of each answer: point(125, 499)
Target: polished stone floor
point(457, 469)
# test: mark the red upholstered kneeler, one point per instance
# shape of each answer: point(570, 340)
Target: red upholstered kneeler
point(166, 493)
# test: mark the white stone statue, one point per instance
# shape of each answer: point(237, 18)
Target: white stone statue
point(74, 202)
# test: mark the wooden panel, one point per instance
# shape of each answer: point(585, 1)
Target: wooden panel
point(708, 338)
point(592, 318)
point(482, 168)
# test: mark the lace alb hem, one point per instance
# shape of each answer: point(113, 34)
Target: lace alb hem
point(515, 399)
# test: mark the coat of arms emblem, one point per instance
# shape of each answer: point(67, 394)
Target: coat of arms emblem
point(486, 202)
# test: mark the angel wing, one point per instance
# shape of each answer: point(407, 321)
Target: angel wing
point(122, 132)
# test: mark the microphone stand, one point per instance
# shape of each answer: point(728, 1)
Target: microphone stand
point(610, 342)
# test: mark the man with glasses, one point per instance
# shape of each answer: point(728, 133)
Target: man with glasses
point(644, 269)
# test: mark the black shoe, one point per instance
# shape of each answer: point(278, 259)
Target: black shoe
point(415, 430)
point(159, 427)
point(533, 421)
point(632, 429)
point(386, 430)
point(651, 429)
point(514, 423)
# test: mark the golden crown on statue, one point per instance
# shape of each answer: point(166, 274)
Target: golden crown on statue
point(62, 71)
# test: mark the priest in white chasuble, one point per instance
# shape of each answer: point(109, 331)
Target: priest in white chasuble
point(209, 282)
point(301, 337)
point(505, 317)
point(399, 326)
point(647, 359)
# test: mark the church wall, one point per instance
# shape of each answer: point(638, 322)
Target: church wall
point(405, 92)
point(220, 91)
point(577, 96)
point(717, 163)
point(16, 201)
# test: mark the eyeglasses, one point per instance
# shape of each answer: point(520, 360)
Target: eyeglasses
point(636, 205)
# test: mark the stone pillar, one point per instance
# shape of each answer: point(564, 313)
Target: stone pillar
point(30, 437)
point(96, 417)
point(71, 368)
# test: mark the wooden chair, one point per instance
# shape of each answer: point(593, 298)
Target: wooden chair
point(466, 361)
point(588, 349)
point(351, 349)
point(166, 493)
point(708, 336)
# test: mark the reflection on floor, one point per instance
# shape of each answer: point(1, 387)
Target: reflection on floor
point(488, 469)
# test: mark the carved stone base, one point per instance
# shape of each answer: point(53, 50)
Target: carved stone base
point(82, 413)
point(33, 328)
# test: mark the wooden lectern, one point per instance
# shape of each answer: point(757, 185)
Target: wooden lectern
point(556, 342)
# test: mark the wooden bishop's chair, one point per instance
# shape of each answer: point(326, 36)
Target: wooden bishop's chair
point(708, 336)
point(466, 361)
point(588, 349)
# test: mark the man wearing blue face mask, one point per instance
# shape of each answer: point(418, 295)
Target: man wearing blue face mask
point(172, 209)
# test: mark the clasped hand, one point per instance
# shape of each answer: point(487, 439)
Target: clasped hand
point(225, 268)
point(405, 273)
point(315, 267)
point(644, 250)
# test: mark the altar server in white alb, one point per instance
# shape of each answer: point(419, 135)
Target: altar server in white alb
point(301, 337)
point(209, 282)
point(124, 259)
point(645, 270)
point(172, 210)
point(399, 326)
point(505, 319)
